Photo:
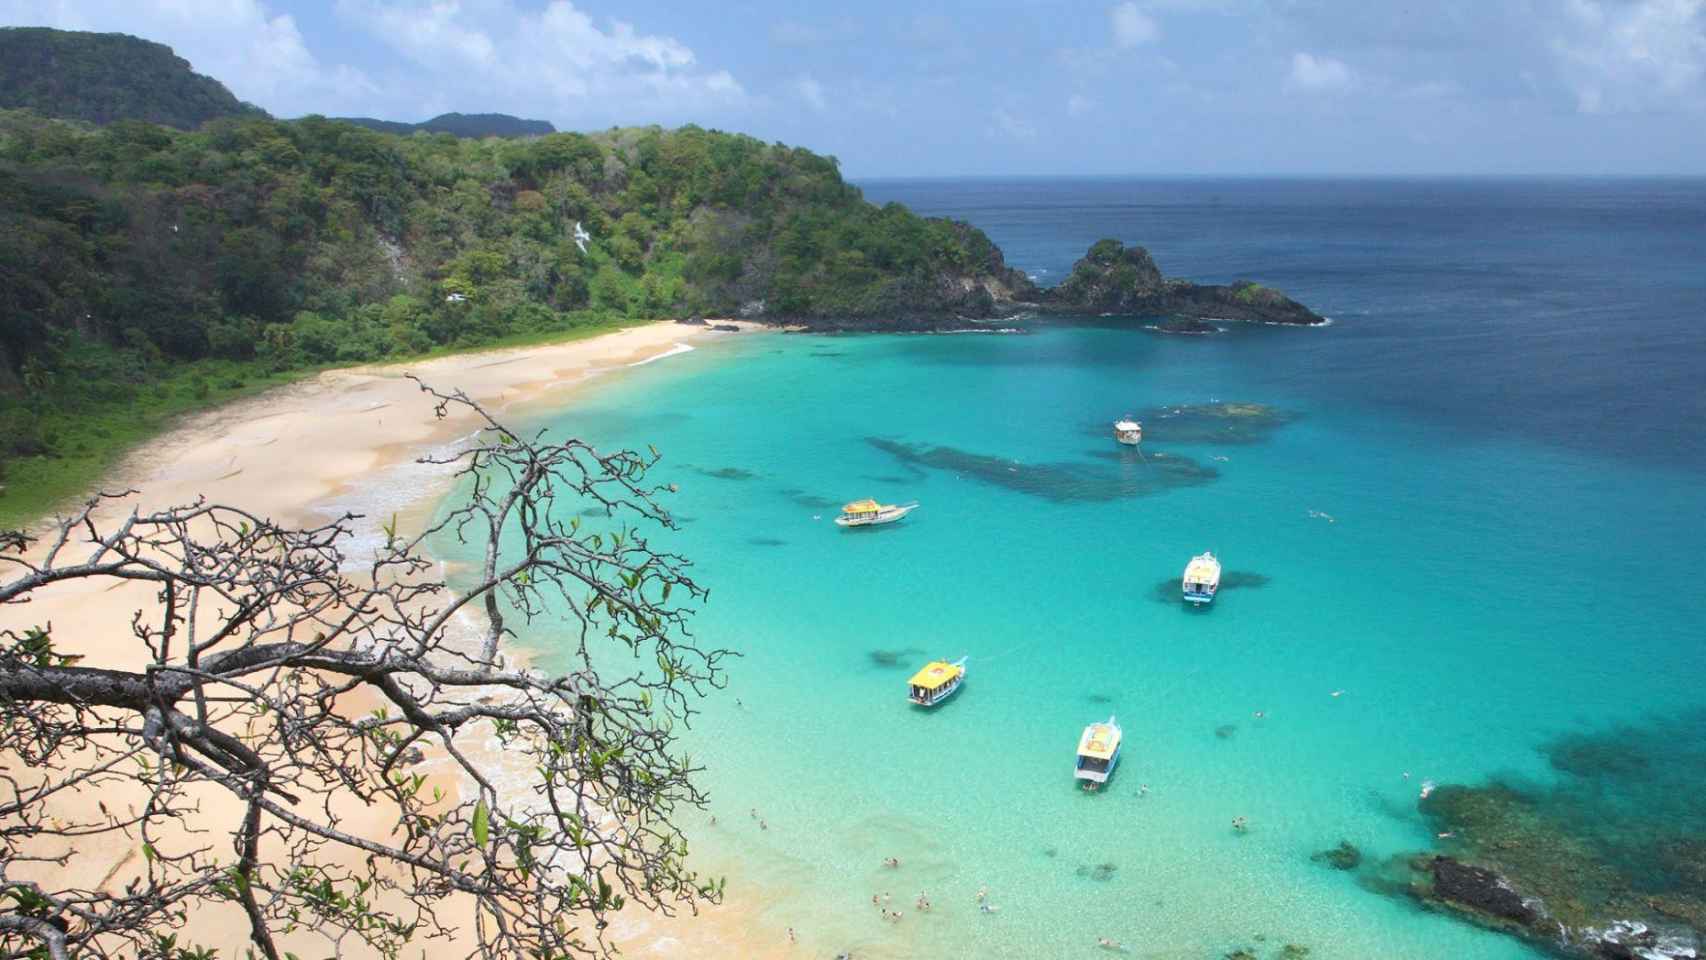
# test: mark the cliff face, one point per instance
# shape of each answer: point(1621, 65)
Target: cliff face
point(1114, 278)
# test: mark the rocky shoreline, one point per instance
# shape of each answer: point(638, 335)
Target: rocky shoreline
point(1110, 281)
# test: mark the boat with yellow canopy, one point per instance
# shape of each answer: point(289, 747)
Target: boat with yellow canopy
point(936, 681)
point(1098, 751)
point(1202, 578)
point(865, 513)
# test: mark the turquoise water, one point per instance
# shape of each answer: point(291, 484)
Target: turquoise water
point(1471, 597)
point(1505, 426)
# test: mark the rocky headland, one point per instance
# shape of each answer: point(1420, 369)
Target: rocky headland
point(1110, 281)
point(1113, 278)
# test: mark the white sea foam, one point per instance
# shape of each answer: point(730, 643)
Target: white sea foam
point(672, 351)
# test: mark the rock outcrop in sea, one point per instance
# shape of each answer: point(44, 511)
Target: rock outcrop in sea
point(1607, 863)
point(1115, 279)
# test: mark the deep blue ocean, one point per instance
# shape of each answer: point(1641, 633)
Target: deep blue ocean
point(1473, 507)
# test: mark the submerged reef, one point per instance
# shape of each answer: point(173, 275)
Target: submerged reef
point(810, 501)
point(1060, 482)
point(1607, 862)
point(1167, 591)
point(725, 473)
point(1215, 423)
point(1100, 872)
point(1345, 856)
point(893, 658)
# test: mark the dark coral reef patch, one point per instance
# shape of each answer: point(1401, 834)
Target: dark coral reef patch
point(1607, 861)
point(1060, 482)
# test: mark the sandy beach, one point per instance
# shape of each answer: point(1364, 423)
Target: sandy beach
point(309, 450)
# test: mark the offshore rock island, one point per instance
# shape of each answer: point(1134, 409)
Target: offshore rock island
point(1110, 280)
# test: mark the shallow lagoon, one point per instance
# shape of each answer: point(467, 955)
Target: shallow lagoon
point(1447, 674)
point(1477, 506)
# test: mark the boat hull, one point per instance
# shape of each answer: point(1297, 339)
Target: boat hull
point(887, 516)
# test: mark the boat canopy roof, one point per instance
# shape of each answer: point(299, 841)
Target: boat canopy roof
point(1127, 425)
point(1203, 569)
point(862, 506)
point(936, 673)
point(1100, 740)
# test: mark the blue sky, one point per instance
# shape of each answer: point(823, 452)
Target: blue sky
point(1040, 87)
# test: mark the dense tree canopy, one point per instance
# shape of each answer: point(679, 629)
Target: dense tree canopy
point(130, 250)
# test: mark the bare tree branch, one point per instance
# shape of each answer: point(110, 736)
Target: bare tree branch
point(303, 683)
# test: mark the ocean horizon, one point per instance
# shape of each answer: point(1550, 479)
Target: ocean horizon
point(1459, 524)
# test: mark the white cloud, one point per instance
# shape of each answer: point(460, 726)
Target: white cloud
point(811, 92)
point(1078, 105)
point(1007, 125)
point(1633, 56)
point(259, 55)
point(495, 54)
point(512, 56)
point(1312, 74)
point(1131, 26)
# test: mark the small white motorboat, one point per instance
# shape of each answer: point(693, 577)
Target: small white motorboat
point(1128, 432)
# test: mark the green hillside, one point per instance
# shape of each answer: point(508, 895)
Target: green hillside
point(462, 125)
point(103, 77)
point(145, 270)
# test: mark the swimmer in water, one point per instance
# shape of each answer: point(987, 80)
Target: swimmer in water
point(1107, 944)
point(1240, 824)
point(1338, 693)
point(982, 894)
point(1259, 714)
point(986, 908)
point(1143, 789)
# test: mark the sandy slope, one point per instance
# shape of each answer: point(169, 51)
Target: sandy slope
point(300, 452)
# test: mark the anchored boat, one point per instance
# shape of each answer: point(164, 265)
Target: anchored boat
point(936, 681)
point(1202, 578)
point(865, 513)
point(1098, 751)
point(1128, 432)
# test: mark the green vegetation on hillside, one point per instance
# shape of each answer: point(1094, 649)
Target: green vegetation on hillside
point(136, 259)
point(461, 124)
point(103, 77)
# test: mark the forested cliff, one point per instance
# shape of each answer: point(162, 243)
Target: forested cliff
point(130, 250)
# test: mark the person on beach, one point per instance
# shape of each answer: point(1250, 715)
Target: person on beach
point(791, 937)
point(763, 824)
point(874, 901)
